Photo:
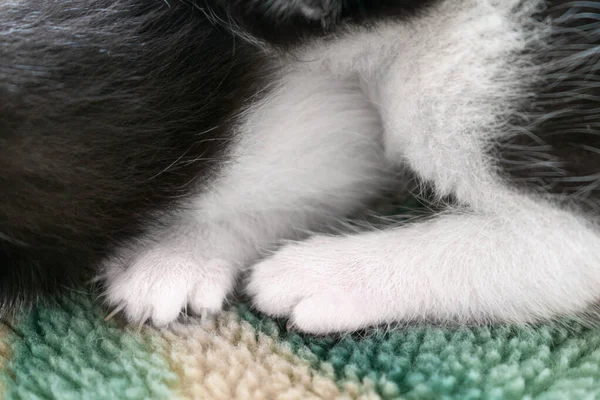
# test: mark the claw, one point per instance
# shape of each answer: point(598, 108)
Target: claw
point(94, 280)
point(204, 315)
point(114, 312)
point(289, 326)
point(143, 320)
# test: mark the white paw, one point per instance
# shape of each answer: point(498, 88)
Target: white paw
point(157, 282)
point(313, 284)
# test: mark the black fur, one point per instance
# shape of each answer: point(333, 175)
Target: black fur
point(283, 24)
point(556, 148)
point(110, 111)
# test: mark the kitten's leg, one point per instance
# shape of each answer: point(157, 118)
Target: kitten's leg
point(520, 266)
point(310, 152)
point(501, 254)
point(502, 257)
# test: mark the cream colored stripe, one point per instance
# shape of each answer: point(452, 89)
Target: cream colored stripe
point(229, 360)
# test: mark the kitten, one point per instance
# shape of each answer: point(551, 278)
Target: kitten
point(111, 115)
point(177, 167)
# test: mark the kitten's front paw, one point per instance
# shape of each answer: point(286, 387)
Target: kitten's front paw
point(310, 283)
point(157, 282)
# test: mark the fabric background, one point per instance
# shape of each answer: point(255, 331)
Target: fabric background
point(69, 352)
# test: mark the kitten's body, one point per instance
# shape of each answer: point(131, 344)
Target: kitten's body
point(468, 94)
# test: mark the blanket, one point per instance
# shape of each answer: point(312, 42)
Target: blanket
point(68, 351)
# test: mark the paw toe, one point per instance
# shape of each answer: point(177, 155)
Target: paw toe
point(273, 292)
point(327, 313)
point(207, 300)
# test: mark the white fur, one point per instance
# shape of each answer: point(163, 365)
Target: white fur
point(180, 269)
point(516, 267)
point(313, 151)
point(307, 154)
point(445, 87)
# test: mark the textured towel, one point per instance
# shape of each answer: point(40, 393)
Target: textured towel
point(70, 352)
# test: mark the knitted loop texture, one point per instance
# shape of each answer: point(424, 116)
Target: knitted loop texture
point(68, 351)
